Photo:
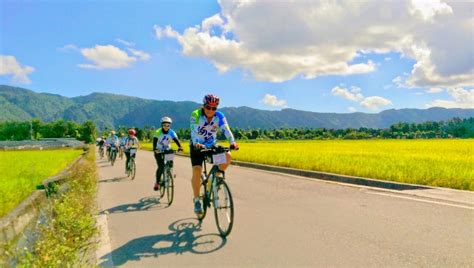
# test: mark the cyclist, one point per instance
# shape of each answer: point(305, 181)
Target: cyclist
point(131, 142)
point(123, 140)
point(161, 142)
point(101, 143)
point(205, 122)
point(112, 141)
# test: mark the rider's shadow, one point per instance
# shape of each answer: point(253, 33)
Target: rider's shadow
point(144, 204)
point(183, 238)
point(116, 179)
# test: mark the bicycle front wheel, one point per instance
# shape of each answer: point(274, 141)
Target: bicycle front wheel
point(223, 208)
point(170, 187)
point(204, 201)
point(133, 168)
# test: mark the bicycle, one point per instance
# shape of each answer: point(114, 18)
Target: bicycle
point(131, 167)
point(167, 183)
point(214, 190)
point(121, 148)
point(101, 152)
point(113, 154)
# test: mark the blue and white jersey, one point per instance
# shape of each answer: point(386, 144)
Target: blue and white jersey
point(164, 139)
point(113, 140)
point(123, 141)
point(204, 132)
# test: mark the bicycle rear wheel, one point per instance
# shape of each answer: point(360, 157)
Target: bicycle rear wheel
point(223, 208)
point(170, 187)
point(113, 157)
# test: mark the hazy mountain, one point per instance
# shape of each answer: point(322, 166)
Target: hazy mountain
point(111, 110)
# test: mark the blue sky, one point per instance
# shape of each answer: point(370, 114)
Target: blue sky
point(314, 56)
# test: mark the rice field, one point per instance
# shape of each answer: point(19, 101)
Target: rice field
point(21, 171)
point(442, 162)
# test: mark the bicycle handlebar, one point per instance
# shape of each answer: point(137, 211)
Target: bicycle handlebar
point(218, 150)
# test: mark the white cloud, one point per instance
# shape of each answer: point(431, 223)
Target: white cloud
point(462, 98)
point(68, 48)
point(126, 43)
point(353, 95)
point(375, 102)
point(272, 100)
point(434, 90)
point(141, 55)
point(428, 9)
point(10, 66)
point(352, 109)
point(165, 32)
point(314, 38)
point(111, 57)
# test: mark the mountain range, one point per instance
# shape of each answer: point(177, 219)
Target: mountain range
point(111, 110)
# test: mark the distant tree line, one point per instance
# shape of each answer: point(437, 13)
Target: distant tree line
point(454, 128)
point(36, 129)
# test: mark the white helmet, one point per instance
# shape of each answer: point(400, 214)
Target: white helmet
point(166, 119)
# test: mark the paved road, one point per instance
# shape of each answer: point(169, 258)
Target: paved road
point(281, 221)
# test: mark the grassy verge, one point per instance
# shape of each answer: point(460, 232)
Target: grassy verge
point(21, 171)
point(67, 232)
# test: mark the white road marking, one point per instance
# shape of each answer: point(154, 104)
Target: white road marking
point(104, 243)
point(419, 199)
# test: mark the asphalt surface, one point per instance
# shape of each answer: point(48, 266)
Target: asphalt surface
point(280, 221)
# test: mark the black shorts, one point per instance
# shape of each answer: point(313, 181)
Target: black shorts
point(196, 157)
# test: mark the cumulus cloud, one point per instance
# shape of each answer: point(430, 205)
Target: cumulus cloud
point(272, 100)
point(375, 102)
point(355, 94)
point(141, 55)
point(10, 66)
point(111, 57)
point(352, 95)
point(461, 98)
point(313, 38)
point(434, 90)
point(351, 109)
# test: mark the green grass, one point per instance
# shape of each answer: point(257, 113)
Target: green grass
point(21, 171)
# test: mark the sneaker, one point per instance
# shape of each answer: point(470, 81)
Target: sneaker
point(197, 207)
point(157, 187)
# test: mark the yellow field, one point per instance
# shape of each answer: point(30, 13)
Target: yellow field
point(445, 163)
point(21, 171)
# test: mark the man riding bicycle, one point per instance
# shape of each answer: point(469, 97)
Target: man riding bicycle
point(112, 141)
point(205, 122)
point(161, 143)
point(131, 142)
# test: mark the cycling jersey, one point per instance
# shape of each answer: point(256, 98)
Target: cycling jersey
point(131, 142)
point(112, 140)
point(123, 141)
point(204, 132)
point(162, 140)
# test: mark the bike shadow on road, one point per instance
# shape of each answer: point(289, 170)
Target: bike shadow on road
point(183, 238)
point(116, 179)
point(144, 204)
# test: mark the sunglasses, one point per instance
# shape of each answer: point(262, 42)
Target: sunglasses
point(211, 108)
point(166, 125)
